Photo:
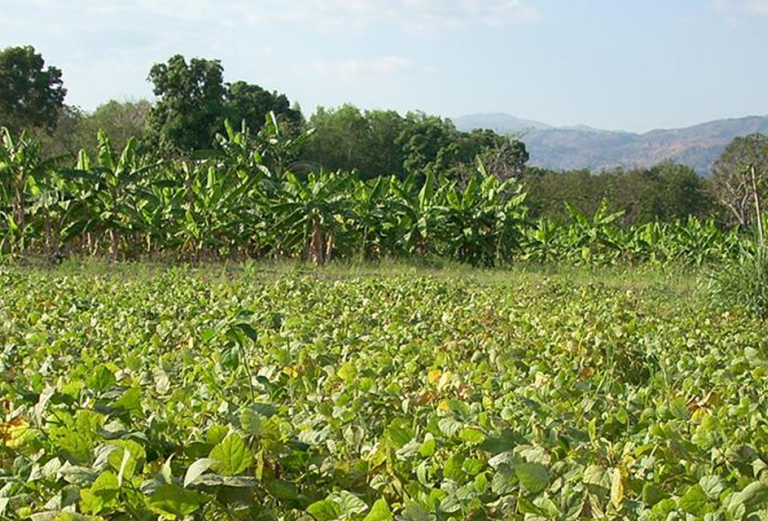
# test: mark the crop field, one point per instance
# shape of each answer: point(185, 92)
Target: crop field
point(172, 393)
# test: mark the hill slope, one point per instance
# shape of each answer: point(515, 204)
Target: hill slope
point(498, 122)
point(582, 147)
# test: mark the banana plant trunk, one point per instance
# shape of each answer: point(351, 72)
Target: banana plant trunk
point(114, 239)
point(317, 243)
point(18, 204)
point(330, 238)
point(320, 243)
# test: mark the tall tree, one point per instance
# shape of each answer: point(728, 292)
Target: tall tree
point(429, 142)
point(31, 95)
point(341, 139)
point(682, 192)
point(191, 107)
point(741, 168)
point(251, 103)
point(120, 120)
point(76, 129)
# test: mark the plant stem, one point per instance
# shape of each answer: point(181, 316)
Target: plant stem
point(757, 206)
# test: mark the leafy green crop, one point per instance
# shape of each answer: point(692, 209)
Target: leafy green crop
point(178, 395)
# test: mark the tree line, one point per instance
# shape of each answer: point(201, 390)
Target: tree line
point(67, 166)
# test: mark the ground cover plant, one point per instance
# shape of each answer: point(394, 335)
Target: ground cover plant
point(166, 393)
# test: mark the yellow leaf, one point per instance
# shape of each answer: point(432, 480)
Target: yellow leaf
point(434, 375)
point(617, 489)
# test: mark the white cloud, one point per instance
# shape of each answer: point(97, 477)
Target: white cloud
point(757, 6)
point(736, 8)
point(410, 15)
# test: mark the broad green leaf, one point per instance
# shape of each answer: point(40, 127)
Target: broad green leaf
point(533, 476)
point(751, 499)
point(694, 501)
point(415, 512)
point(379, 511)
point(472, 436)
point(130, 401)
point(197, 469)
point(172, 500)
point(232, 456)
point(126, 459)
point(428, 446)
point(652, 494)
point(102, 494)
point(102, 379)
point(349, 503)
point(712, 486)
point(348, 372)
point(216, 434)
point(250, 422)
point(325, 510)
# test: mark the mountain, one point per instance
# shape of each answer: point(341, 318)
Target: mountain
point(564, 148)
point(498, 122)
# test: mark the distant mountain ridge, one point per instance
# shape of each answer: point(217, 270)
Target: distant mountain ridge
point(565, 148)
point(498, 122)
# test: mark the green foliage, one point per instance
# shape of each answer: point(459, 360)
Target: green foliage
point(742, 282)
point(742, 168)
point(22, 169)
point(384, 143)
point(193, 103)
point(666, 192)
point(31, 95)
point(249, 198)
point(378, 398)
point(252, 104)
point(190, 107)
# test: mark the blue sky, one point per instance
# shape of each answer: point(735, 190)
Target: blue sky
point(617, 64)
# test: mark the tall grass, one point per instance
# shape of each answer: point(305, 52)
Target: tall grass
point(742, 282)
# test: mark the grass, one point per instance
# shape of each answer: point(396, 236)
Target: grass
point(676, 278)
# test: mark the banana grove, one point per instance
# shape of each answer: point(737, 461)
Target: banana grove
point(248, 199)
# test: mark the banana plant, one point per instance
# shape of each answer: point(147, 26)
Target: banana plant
point(595, 238)
point(214, 210)
point(20, 165)
point(240, 151)
point(542, 242)
point(374, 212)
point(482, 222)
point(418, 213)
point(108, 193)
point(310, 215)
point(278, 150)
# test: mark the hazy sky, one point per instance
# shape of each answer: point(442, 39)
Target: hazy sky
point(618, 64)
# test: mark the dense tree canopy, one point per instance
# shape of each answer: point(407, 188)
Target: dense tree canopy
point(382, 142)
point(31, 94)
point(251, 103)
point(665, 192)
point(77, 129)
point(194, 101)
point(191, 102)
